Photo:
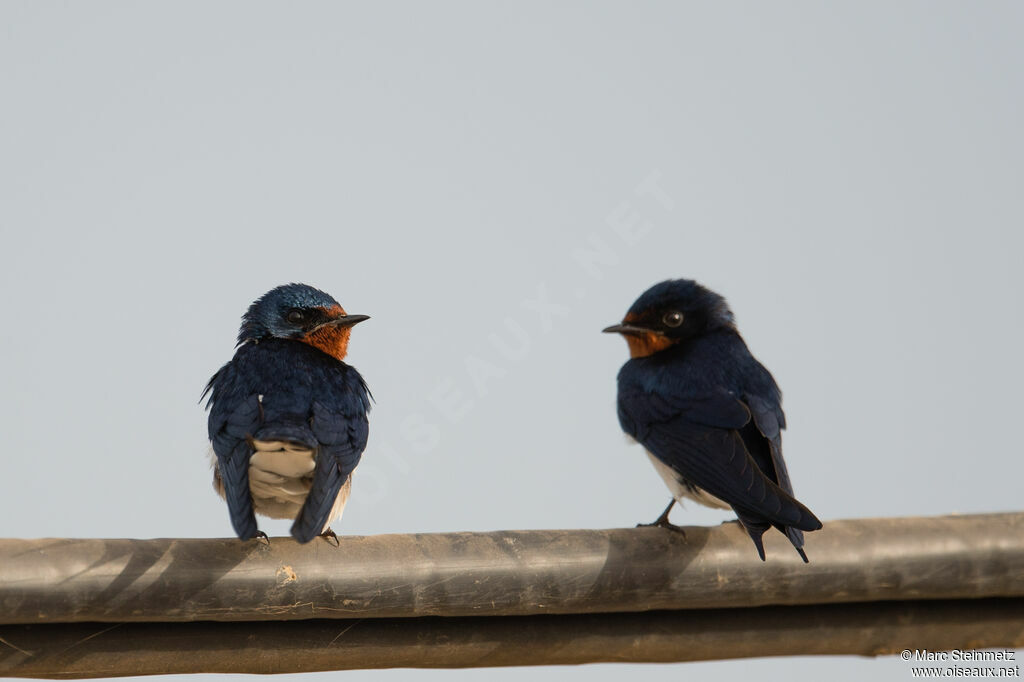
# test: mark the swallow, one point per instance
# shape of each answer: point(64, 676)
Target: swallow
point(708, 413)
point(288, 417)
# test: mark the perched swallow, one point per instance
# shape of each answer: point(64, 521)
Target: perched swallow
point(287, 415)
point(708, 413)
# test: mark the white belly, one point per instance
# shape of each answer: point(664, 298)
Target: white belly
point(280, 477)
point(680, 491)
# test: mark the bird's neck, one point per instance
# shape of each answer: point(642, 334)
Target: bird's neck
point(330, 340)
point(643, 345)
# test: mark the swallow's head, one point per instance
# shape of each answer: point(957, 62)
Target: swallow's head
point(302, 313)
point(669, 313)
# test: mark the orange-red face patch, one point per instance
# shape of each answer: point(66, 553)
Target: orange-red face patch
point(643, 344)
point(328, 338)
point(649, 343)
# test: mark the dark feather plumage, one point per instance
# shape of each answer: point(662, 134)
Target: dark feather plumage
point(282, 389)
point(710, 411)
point(308, 398)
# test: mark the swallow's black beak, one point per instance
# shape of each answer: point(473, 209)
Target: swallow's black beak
point(347, 321)
point(625, 329)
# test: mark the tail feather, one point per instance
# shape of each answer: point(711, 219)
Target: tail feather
point(234, 472)
point(797, 538)
point(755, 528)
point(315, 514)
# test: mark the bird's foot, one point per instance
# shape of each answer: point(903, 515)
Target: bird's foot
point(330, 535)
point(663, 522)
point(262, 538)
point(666, 524)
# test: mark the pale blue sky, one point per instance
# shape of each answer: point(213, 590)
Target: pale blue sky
point(848, 175)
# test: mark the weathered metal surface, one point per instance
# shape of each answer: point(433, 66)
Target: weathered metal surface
point(107, 650)
point(502, 573)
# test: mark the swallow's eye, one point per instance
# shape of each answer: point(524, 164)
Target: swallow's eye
point(672, 319)
point(296, 317)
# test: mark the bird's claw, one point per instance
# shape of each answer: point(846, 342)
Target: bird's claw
point(329, 535)
point(663, 522)
point(666, 524)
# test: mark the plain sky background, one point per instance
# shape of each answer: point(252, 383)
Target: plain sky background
point(848, 175)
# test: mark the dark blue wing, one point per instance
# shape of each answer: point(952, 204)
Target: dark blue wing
point(639, 410)
point(717, 460)
point(701, 439)
point(769, 421)
point(342, 431)
point(233, 420)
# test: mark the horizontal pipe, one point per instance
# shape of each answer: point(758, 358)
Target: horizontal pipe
point(83, 650)
point(507, 572)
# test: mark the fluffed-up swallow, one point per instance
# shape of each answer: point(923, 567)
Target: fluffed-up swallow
point(708, 413)
point(288, 417)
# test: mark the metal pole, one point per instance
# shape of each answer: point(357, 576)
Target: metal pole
point(506, 573)
point(103, 650)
